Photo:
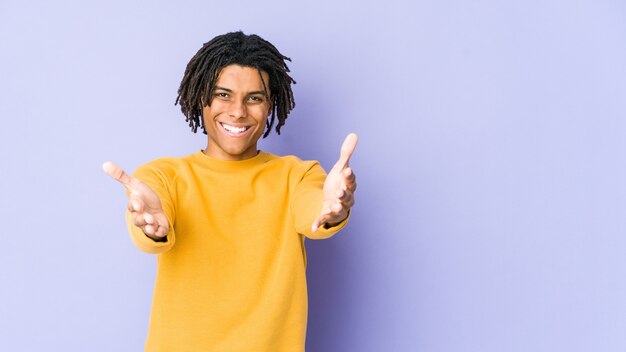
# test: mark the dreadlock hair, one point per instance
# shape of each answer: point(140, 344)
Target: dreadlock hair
point(201, 74)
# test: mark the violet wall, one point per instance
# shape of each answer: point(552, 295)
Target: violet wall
point(492, 197)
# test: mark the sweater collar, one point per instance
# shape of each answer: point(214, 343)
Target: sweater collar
point(230, 165)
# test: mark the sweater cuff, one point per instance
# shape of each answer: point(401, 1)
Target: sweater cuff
point(324, 232)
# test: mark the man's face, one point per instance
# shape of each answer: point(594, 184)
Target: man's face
point(236, 118)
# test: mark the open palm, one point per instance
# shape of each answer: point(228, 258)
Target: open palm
point(339, 188)
point(143, 203)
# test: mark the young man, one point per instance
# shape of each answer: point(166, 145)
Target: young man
point(228, 223)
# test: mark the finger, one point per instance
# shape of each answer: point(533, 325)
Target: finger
point(348, 204)
point(160, 224)
point(135, 203)
point(161, 231)
point(347, 148)
point(338, 213)
point(347, 199)
point(120, 175)
point(344, 195)
point(333, 211)
point(139, 221)
point(349, 179)
point(321, 218)
point(320, 221)
point(116, 172)
point(149, 219)
point(150, 229)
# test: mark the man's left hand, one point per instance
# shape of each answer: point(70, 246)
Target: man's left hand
point(339, 188)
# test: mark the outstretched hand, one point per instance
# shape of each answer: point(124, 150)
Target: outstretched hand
point(143, 203)
point(339, 188)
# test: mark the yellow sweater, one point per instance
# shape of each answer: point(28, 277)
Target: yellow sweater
point(231, 275)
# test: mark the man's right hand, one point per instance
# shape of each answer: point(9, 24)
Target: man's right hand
point(144, 205)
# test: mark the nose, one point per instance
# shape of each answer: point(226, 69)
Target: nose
point(237, 109)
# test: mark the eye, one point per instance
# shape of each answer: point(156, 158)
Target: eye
point(221, 95)
point(256, 98)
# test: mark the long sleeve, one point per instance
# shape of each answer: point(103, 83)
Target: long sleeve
point(235, 280)
point(158, 181)
point(307, 203)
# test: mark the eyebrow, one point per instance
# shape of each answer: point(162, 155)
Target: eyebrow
point(249, 93)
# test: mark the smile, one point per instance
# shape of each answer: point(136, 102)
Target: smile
point(234, 130)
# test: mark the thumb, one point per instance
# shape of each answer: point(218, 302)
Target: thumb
point(116, 172)
point(347, 148)
point(322, 217)
point(120, 175)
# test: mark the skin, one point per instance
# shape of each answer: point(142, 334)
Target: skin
point(339, 188)
point(239, 100)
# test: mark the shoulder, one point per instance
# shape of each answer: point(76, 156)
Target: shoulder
point(294, 166)
point(164, 164)
point(291, 161)
point(165, 168)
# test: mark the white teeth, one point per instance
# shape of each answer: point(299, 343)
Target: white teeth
point(234, 129)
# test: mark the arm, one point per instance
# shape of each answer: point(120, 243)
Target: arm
point(307, 201)
point(333, 194)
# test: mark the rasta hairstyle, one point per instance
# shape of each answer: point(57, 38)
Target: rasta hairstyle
point(237, 48)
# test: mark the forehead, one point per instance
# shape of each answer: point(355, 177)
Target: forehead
point(243, 78)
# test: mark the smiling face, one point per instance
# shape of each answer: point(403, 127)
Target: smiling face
point(236, 118)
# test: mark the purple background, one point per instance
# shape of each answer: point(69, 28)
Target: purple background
point(492, 198)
